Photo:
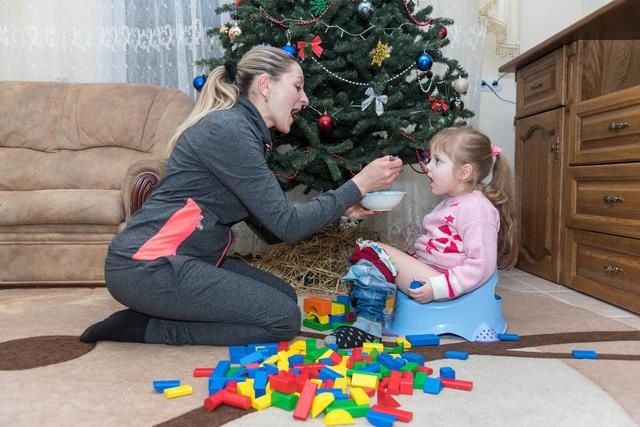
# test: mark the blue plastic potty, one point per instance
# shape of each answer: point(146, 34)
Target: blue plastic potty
point(476, 316)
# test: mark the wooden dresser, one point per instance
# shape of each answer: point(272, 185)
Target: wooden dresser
point(578, 155)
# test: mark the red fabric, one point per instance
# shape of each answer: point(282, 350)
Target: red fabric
point(370, 255)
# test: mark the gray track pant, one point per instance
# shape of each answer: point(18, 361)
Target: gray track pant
point(194, 302)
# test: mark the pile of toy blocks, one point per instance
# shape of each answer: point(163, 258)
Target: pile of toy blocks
point(310, 380)
point(323, 314)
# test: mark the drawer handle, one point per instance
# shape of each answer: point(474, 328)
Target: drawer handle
point(612, 269)
point(614, 126)
point(535, 86)
point(610, 200)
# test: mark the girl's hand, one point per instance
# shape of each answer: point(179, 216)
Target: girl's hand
point(378, 175)
point(424, 293)
point(357, 211)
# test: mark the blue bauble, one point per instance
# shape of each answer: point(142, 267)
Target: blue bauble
point(424, 62)
point(199, 82)
point(290, 49)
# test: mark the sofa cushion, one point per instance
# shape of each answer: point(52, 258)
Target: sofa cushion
point(102, 207)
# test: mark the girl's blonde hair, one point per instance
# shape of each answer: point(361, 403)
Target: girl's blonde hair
point(469, 146)
point(220, 93)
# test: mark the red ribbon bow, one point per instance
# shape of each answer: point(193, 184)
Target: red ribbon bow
point(438, 104)
point(315, 46)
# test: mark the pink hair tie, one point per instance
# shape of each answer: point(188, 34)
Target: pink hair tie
point(495, 150)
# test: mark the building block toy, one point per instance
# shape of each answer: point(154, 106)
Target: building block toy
point(406, 383)
point(460, 355)
point(336, 392)
point(161, 385)
point(213, 401)
point(386, 400)
point(400, 414)
point(415, 284)
point(584, 354)
point(262, 402)
point(423, 339)
point(447, 372)
point(406, 345)
point(260, 383)
point(368, 346)
point(301, 412)
point(320, 403)
point(202, 372)
point(179, 391)
point(418, 359)
point(255, 357)
point(418, 380)
point(457, 384)
point(394, 382)
point(314, 324)
point(338, 417)
point(359, 396)
point(380, 419)
point(284, 401)
point(337, 308)
point(391, 362)
point(427, 370)
point(236, 352)
point(361, 379)
point(283, 382)
point(509, 337)
point(328, 373)
point(319, 306)
point(432, 385)
point(320, 319)
point(236, 400)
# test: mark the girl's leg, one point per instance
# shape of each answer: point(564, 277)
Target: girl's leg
point(409, 268)
point(190, 301)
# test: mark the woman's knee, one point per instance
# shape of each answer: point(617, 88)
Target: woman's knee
point(288, 324)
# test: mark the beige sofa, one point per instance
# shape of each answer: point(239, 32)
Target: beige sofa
point(76, 160)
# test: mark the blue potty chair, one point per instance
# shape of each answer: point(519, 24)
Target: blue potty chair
point(476, 316)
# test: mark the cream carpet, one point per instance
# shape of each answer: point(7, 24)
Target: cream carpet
point(110, 384)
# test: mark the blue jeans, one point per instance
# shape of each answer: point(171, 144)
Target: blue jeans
point(369, 290)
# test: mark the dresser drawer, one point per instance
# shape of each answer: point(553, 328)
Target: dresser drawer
point(541, 84)
point(606, 267)
point(606, 129)
point(605, 198)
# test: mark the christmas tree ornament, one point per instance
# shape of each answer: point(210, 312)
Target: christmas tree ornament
point(365, 10)
point(379, 99)
point(442, 32)
point(314, 44)
point(438, 104)
point(429, 74)
point(224, 29)
point(379, 53)
point(234, 31)
point(456, 104)
point(290, 49)
point(325, 123)
point(199, 81)
point(461, 85)
point(424, 62)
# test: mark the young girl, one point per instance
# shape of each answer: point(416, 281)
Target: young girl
point(466, 237)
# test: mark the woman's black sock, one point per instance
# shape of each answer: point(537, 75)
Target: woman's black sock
point(350, 337)
point(126, 325)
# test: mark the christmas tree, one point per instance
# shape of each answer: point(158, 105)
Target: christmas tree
point(375, 75)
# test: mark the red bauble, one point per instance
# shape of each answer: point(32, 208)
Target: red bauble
point(442, 32)
point(325, 123)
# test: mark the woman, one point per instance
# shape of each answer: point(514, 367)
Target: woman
point(169, 264)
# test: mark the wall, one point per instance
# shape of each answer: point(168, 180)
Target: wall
point(539, 20)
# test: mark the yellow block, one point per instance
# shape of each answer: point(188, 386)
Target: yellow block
point(364, 380)
point(181, 390)
point(283, 365)
point(337, 309)
point(405, 343)
point(317, 381)
point(338, 417)
point(262, 402)
point(272, 359)
point(325, 355)
point(359, 396)
point(323, 320)
point(245, 388)
point(368, 346)
point(298, 346)
point(341, 383)
point(320, 403)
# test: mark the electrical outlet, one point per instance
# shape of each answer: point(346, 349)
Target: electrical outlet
point(495, 84)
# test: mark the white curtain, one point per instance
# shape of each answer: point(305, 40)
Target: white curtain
point(503, 19)
point(157, 41)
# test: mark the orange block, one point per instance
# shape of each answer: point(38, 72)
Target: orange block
point(319, 306)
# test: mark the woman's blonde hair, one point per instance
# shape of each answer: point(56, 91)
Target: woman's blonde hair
point(469, 146)
point(220, 93)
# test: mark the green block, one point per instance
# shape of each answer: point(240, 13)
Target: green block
point(374, 355)
point(398, 349)
point(419, 379)
point(336, 325)
point(310, 344)
point(313, 324)
point(284, 401)
point(343, 351)
point(353, 409)
point(360, 364)
point(232, 370)
point(350, 373)
point(384, 371)
point(409, 366)
point(341, 404)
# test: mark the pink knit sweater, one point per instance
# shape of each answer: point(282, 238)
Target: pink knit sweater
point(460, 241)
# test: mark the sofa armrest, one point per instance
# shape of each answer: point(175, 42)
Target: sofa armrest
point(140, 180)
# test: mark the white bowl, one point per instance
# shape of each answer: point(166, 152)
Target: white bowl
point(382, 200)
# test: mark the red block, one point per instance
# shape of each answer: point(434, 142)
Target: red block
point(383, 384)
point(284, 382)
point(236, 400)
point(301, 412)
point(394, 382)
point(406, 383)
point(283, 346)
point(386, 400)
point(202, 372)
point(402, 415)
point(232, 386)
point(336, 358)
point(370, 391)
point(426, 369)
point(457, 384)
point(328, 383)
point(301, 381)
point(213, 401)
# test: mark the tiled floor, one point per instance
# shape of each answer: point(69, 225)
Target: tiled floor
point(521, 281)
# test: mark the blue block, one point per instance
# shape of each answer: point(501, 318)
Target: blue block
point(160, 385)
point(390, 362)
point(255, 357)
point(337, 393)
point(326, 361)
point(416, 284)
point(509, 337)
point(423, 339)
point(236, 352)
point(338, 318)
point(260, 383)
point(268, 349)
point(218, 383)
point(329, 374)
point(271, 368)
point(296, 359)
point(380, 419)
point(413, 357)
point(344, 299)
point(221, 369)
point(584, 354)
point(460, 355)
point(371, 367)
point(333, 347)
point(447, 372)
point(432, 385)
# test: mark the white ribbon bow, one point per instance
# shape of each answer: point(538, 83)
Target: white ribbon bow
point(380, 99)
